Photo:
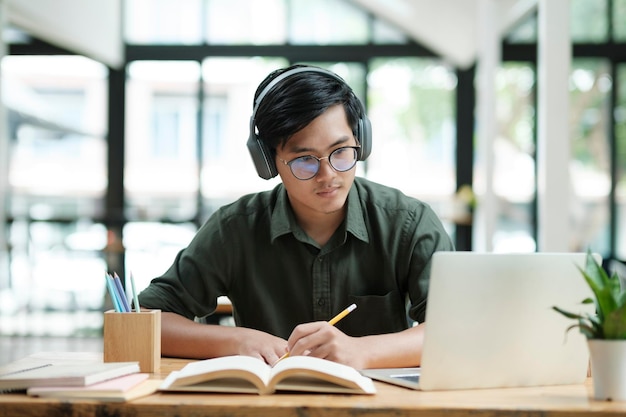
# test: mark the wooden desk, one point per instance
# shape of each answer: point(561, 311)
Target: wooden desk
point(558, 401)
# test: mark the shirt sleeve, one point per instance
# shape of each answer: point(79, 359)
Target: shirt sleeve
point(428, 236)
point(197, 277)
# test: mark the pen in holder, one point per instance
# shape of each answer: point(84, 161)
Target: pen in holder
point(133, 336)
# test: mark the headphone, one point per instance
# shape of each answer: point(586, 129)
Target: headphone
point(262, 156)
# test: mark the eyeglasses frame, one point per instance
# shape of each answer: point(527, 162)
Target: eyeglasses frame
point(319, 161)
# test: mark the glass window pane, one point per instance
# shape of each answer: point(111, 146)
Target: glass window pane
point(151, 248)
point(227, 170)
point(55, 267)
point(163, 21)
point(620, 188)
point(161, 169)
point(619, 20)
point(514, 182)
point(590, 86)
point(324, 22)
point(525, 31)
point(588, 21)
point(384, 33)
point(252, 22)
point(57, 107)
point(411, 107)
point(588, 24)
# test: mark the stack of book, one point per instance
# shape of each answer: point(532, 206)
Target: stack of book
point(76, 375)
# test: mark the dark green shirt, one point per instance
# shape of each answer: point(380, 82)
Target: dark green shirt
point(276, 277)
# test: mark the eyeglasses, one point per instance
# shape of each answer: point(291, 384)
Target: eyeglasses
point(306, 167)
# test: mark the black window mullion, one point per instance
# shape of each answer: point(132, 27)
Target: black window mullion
point(115, 195)
point(465, 105)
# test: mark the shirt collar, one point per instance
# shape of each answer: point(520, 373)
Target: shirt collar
point(280, 223)
point(283, 217)
point(355, 223)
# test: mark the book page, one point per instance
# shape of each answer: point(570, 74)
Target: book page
point(224, 374)
point(128, 390)
point(42, 359)
point(114, 385)
point(307, 373)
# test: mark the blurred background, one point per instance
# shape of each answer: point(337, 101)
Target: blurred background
point(126, 123)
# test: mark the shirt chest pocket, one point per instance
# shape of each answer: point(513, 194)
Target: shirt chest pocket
point(376, 314)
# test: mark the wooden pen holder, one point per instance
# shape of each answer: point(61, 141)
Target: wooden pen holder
point(133, 336)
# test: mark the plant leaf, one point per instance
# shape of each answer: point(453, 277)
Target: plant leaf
point(614, 326)
point(589, 332)
point(568, 314)
point(589, 325)
point(609, 322)
point(601, 285)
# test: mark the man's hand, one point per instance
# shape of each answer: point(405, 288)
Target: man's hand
point(323, 340)
point(392, 350)
point(184, 338)
point(260, 345)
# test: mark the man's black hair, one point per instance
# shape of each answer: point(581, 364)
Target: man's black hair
point(294, 102)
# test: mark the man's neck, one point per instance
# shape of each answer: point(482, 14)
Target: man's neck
point(321, 226)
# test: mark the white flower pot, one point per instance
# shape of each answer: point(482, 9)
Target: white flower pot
point(608, 369)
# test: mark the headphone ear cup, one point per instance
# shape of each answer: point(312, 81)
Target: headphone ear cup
point(364, 135)
point(262, 157)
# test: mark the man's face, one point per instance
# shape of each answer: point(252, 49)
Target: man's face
point(326, 192)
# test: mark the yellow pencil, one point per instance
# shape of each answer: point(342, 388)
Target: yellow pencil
point(341, 315)
point(332, 322)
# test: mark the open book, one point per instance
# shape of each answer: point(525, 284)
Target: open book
point(124, 388)
point(245, 374)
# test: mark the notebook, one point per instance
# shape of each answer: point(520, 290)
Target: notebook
point(490, 323)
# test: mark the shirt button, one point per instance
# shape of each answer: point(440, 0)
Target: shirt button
point(320, 259)
point(320, 302)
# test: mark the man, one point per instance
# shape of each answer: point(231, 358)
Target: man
point(291, 258)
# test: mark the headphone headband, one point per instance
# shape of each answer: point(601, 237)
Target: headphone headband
point(287, 74)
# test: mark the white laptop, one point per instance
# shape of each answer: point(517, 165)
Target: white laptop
point(490, 323)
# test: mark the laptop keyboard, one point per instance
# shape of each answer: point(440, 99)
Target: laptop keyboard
point(407, 377)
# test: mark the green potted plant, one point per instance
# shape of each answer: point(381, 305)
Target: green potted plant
point(605, 330)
